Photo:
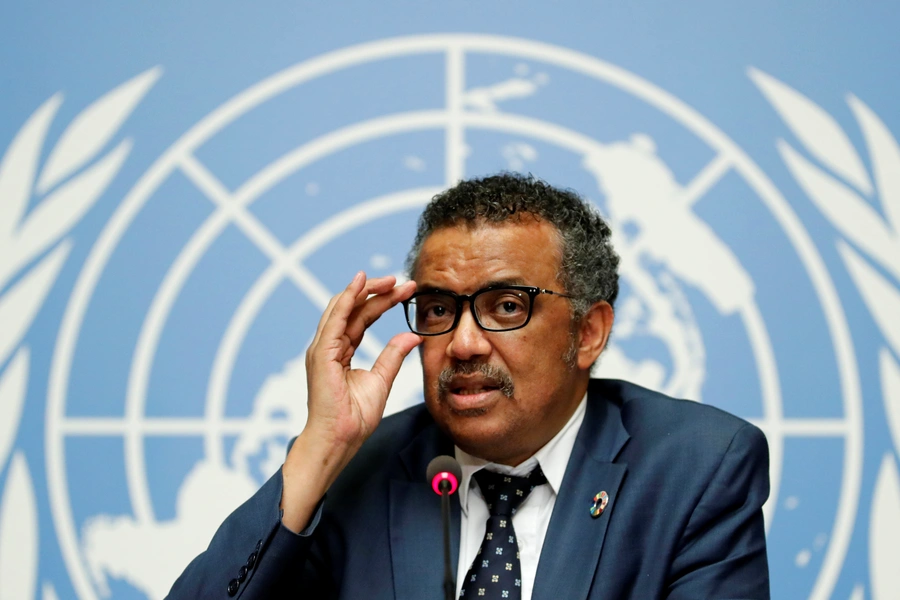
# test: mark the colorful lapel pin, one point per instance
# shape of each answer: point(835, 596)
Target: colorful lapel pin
point(600, 502)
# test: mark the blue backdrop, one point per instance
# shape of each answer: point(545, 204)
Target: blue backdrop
point(184, 185)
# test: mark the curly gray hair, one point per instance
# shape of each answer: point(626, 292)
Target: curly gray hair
point(588, 268)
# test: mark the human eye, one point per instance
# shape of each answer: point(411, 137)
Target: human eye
point(506, 305)
point(435, 307)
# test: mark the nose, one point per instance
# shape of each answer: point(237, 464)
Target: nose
point(469, 340)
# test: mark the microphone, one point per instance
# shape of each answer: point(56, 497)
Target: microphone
point(444, 474)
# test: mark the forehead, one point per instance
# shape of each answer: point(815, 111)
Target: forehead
point(465, 257)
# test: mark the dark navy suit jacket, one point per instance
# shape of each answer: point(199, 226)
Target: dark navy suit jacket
point(686, 485)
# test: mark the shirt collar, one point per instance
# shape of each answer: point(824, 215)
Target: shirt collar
point(553, 458)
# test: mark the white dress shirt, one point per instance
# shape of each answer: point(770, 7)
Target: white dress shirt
point(533, 515)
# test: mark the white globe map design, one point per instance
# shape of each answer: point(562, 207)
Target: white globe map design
point(639, 189)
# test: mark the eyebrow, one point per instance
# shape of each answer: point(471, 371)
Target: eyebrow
point(491, 283)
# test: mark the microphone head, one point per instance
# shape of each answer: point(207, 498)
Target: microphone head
point(443, 468)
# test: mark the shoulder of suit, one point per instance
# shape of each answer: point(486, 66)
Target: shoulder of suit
point(651, 415)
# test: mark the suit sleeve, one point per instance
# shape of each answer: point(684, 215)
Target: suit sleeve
point(723, 550)
point(252, 555)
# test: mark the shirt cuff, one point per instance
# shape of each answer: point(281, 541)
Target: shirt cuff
point(317, 516)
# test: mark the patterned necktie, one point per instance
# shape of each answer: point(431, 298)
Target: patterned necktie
point(496, 572)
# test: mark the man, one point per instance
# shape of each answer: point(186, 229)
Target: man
point(622, 492)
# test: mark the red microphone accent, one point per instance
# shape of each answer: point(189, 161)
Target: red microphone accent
point(441, 469)
point(444, 476)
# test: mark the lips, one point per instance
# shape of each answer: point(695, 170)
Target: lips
point(472, 394)
point(462, 387)
point(473, 402)
point(472, 387)
point(461, 391)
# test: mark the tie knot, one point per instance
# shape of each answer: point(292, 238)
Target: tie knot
point(504, 493)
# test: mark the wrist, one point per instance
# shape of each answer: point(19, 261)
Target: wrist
point(310, 468)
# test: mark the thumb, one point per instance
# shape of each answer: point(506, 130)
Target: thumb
point(388, 363)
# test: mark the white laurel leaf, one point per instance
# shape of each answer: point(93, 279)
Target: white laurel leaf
point(19, 165)
point(890, 392)
point(61, 210)
point(884, 532)
point(94, 127)
point(20, 304)
point(881, 298)
point(18, 533)
point(49, 592)
point(885, 155)
point(856, 219)
point(820, 134)
point(858, 592)
point(13, 385)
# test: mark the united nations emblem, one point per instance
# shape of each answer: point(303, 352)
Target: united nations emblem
point(176, 379)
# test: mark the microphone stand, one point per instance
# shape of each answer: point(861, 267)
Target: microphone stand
point(444, 474)
point(449, 582)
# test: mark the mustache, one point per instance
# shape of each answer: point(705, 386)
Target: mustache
point(495, 376)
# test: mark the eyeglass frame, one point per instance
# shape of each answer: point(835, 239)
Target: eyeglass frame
point(532, 291)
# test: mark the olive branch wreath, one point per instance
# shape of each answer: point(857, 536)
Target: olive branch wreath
point(847, 195)
point(34, 246)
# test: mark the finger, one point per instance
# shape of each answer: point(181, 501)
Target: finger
point(388, 363)
point(364, 316)
point(325, 314)
point(374, 287)
point(334, 320)
point(377, 285)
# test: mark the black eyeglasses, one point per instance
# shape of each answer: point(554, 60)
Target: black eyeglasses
point(495, 308)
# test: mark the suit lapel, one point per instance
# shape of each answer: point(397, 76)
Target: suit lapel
point(574, 537)
point(416, 537)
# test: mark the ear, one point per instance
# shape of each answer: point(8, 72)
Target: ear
point(593, 333)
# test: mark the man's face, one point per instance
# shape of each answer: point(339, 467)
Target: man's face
point(470, 407)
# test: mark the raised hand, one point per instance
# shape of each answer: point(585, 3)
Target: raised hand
point(345, 405)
